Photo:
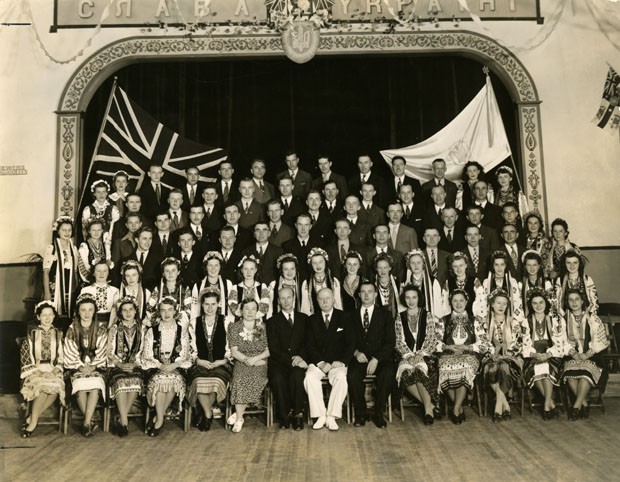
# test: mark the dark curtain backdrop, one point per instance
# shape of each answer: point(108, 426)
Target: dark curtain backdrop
point(338, 105)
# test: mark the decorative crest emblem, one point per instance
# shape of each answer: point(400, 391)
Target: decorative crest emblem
point(300, 40)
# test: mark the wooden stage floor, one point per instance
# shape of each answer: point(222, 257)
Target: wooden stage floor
point(525, 449)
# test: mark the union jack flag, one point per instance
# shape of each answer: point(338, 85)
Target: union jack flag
point(131, 140)
point(608, 115)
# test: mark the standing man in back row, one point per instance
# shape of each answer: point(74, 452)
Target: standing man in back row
point(302, 180)
point(439, 172)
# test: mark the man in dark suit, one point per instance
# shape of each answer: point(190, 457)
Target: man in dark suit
point(477, 256)
point(148, 259)
point(243, 236)
point(192, 191)
point(332, 206)
point(179, 218)
point(432, 214)
point(164, 242)
point(153, 193)
point(491, 212)
point(327, 175)
point(263, 190)
point(134, 206)
point(279, 232)
point(337, 250)
point(452, 233)
point(302, 180)
point(265, 252)
point(321, 221)
point(196, 219)
point(123, 248)
point(400, 179)
point(369, 212)
point(360, 231)
point(439, 171)
point(513, 250)
point(489, 238)
point(510, 215)
point(435, 258)
point(214, 217)
point(286, 335)
point(381, 235)
point(330, 345)
point(373, 355)
point(191, 261)
point(301, 244)
point(291, 205)
point(412, 210)
point(231, 255)
point(226, 187)
point(365, 174)
point(250, 210)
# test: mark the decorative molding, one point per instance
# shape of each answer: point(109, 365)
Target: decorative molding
point(531, 156)
point(68, 129)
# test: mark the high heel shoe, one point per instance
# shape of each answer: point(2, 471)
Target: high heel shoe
point(584, 412)
point(573, 414)
point(25, 433)
point(436, 413)
point(506, 415)
point(547, 415)
point(497, 417)
point(429, 419)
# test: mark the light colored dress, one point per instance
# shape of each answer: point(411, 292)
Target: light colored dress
point(86, 347)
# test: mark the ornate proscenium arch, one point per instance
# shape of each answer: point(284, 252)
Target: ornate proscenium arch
point(91, 74)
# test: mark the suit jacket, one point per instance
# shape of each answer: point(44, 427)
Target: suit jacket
point(355, 186)
point(265, 194)
point(336, 343)
point(183, 221)
point(398, 268)
point(489, 239)
point(229, 268)
point(284, 234)
point(493, 216)
point(213, 222)
point(120, 229)
point(406, 239)
point(336, 213)
point(372, 217)
point(483, 258)
point(449, 186)
point(150, 268)
point(442, 265)
point(191, 272)
point(302, 183)
point(430, 218)
point(516, 271)
point(341, 184)
point(322, 229)
point(335, 263)
point(150, 207)
point(197, 197)
point(255, 214)
point(296, 207)
point(286, 341)
point(267, 267)
point(360, 233)
point(244, 238)
point(408, 181)
point(233, 194)
point(379, 341)
point(203, 244)
point(171, 244)
point(458, 239)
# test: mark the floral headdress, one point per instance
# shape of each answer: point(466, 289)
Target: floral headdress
point(353, 254)
point(286, 257)
point(92, 221)
point(170, 260)
point(208, 291)
point(120, 173)
point(317, 252)
point(414, 252)
point(127, 300)
point(62, 220)
point(249, 258)
point(131, 264)
point(168, 300)
point(98, 183)
point(504, 170)
point(498, 292)
point(537, 292)
point(382, 257)
point(531, 252)
point(457, 255)
point(44, 304)
point(535, 214)
point(459, 291)
point(212, 255)
point(85, 298)
point(499, 254)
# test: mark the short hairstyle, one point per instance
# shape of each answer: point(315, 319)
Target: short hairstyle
point(412, 287)
point(186, 230)
point(435, 161)
point(144, 229)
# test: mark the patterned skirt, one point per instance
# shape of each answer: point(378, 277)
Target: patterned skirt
point(82, 382)
point(248, 383)
point(575, 369)
point(121, 381)
point(412, 376)
point(505, 371)
point(44, 381)
point(534, 371)
point(457, 370)
point(160, 381)
point(204, 380)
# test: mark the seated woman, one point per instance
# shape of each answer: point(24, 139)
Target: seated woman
point(247, 339)
point(320, 277)
point(171, 286)
point(351, 280)
point(208, 378)
point(125, 377)
point(166, 354)
point(560, 244)
point(536, 239)
point(131, 278)
point(250, 288)
point(287, 277)
point(386, 284)
point(85, 357)
point(543, 357)
point(572, 276)
point(417, 335)
point(435, 300)
point(95, 249)
point(499, 278)
point(104, 294)
point(212, 269)
point(534, 279)
point(41, 366)
point(508, 333)
point(586, 339)
point(464, 341)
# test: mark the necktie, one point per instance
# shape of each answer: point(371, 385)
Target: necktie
point(198, 234)
point(363, 178)
point(513, 255)
point(439, 211)
point(331, 208)
point(142, 258)
point(449, 236)
point(164, 243)
point(433, 263)
point(476, 258)
point(313, 219)
point(343, 252)
point(260, 251)
point(208, 213)
point(261, 186)
point(303, 244)
point(352, 223)
point(327, 321)
point(247, 207)
point(175, 219)
point(293, 175)
point(368, 208)
point(192, 194)
point(274, 231)
point(366, 320)
point(394, 235)
point(158, 193)
point(398, 185)
point(285, 204)
point(407, 211)
point(226, 191)
point(290, 319)
point(226, 255)
point(185, 258)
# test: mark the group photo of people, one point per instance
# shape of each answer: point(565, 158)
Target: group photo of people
point(313, 288)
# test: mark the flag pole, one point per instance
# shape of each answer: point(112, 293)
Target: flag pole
point(514, 166)
point(92, 160)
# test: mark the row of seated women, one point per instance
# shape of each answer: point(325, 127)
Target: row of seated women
point(554, 337)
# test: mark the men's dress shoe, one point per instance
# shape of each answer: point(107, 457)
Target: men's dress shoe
point(379, 421)
point(359, 422)
point(429, 419)
point(298, 422)
point(331, 423)
point(320, 422)
point(286, 423)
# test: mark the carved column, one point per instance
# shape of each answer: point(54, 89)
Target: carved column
point(69, 155)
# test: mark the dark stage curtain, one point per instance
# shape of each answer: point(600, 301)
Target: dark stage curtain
point(335, 105)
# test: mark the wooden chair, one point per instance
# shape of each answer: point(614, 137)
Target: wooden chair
point(595, 397)
point(610, 316)
point(265, 407)
point(183, 416)
point(517, 400)
point(327, 388)
point(535, 399)
point(369, 383)
point(102, 409)
point(138, 410)
point(477, 391)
